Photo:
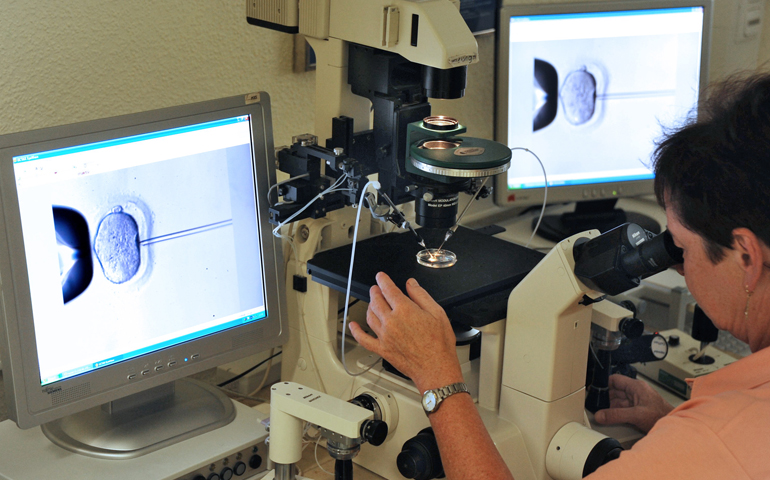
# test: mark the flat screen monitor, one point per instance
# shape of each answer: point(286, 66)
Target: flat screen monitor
point(589, 88)
point(135, 251)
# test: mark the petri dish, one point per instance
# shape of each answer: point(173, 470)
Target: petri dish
point(435, 258)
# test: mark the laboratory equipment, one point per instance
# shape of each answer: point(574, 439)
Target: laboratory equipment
point(590, 87)
point(237, 451)
point(529, 377)
point(678, 365)
point(391, 57)
point(102, 372)
point(344, 425)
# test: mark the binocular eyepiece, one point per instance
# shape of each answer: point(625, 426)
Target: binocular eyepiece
point(619, 259)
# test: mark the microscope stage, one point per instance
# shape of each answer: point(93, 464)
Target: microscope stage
point(474, 291)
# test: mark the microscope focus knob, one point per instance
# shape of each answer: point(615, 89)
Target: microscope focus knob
point(374, 432)
point(419, 458)
point(631, 327)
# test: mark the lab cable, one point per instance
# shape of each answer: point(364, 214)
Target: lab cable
point(545, 193)
point(315, 453)
point(376, 186)
point(335, 187)
point(243, 374)
point(331, 189)
point(264, 377)
point(281, 183)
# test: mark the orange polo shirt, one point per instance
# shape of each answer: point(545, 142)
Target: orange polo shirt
point(722, 432)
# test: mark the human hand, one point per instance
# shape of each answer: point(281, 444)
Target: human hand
point(633, 401)
point(413, 334)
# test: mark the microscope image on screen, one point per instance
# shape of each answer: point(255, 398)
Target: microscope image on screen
point(117, 245)
point(155, 239)
point(582, 94)
point(593, 97)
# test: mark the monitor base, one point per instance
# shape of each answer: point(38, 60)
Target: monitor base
point(29, 455)
point(143, 423)
point(600, 215)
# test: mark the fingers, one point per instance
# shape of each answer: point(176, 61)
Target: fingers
point(364, 339)
point(390, 291)
point(423, 299)
point(374, 322)
point(378, 303)
point(624, 384)
point(611, 416)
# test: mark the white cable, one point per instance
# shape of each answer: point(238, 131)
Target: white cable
point(316, 457)
point(335, 185)
point(376, 185)
point(545, 192)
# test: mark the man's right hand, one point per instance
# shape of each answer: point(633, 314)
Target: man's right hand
point(633, 401)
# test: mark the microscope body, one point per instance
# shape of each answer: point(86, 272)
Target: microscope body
point(377, 64)
point(548, 331)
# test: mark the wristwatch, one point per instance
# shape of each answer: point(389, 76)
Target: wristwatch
point(431, 399)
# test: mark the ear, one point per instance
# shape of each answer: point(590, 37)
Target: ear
point(750, 250)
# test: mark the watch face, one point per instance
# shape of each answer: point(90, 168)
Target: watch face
point(429, 401)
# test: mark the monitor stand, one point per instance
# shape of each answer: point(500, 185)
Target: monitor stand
point(594, 214)
point(144, 422)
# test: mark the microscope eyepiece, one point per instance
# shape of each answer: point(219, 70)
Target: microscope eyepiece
point(617, 260)
point(652, 256)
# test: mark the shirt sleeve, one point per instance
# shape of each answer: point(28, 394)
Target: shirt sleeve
point(678, 447)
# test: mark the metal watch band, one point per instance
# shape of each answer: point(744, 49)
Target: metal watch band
point(449, 390)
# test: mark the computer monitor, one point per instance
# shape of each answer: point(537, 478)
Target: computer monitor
point(135, 251)
point(589, 88)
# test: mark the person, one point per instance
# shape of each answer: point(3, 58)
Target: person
point(712, 177)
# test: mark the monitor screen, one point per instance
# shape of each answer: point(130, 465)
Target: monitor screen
point(135, 251)
point(589, 88)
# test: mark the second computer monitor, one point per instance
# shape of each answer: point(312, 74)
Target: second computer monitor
point(590, 88)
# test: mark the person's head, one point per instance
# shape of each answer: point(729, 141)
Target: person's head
point(714, 173)
point(712, 177)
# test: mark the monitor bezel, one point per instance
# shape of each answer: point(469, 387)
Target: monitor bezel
point(31, 404)
point(573, 193)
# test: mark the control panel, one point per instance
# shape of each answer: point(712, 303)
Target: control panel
point(248, 463)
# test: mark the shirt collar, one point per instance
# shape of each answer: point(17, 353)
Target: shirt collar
point(742, 374)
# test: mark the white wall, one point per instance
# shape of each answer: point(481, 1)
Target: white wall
point(75, 60)
point(63, 62)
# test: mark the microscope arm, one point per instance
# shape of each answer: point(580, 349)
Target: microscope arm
point(291, 405)
point(427, 32)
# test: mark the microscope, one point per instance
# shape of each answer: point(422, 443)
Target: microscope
point(377, 65)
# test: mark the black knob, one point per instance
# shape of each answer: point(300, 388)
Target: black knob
point(213, 476)
point(673, 340)
point(226, 473)
point(647, 348)
point(239, 468)
point(703, 328)
point(255, 461)
point(374, 432)
point(631, 327)
point(419, 458)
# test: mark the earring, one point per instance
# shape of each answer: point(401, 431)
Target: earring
point(748, 298)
